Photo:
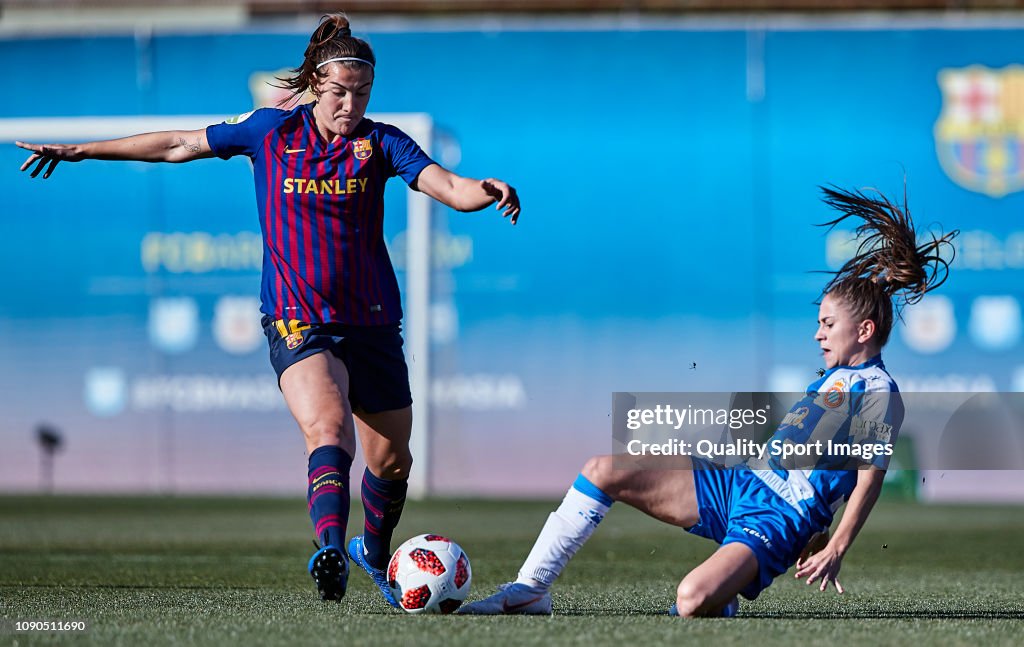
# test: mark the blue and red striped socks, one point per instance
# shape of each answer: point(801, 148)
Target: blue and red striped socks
point(328, 494)
point(383, 501)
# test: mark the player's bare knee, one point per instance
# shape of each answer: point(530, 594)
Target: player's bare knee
point(591, 468)
point(598, 470)
point(692, 600)
point(323, 431)
point(392, 467)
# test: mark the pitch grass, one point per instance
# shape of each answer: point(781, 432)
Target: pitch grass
point(232, 571)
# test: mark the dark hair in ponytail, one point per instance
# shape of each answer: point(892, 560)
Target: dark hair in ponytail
point(890, 268)
point(331, 39)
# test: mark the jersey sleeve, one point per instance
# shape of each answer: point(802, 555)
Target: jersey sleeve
point(876, 422)
point(404, 155)
point(242, 135)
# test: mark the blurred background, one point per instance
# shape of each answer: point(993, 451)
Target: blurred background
point(668, 154)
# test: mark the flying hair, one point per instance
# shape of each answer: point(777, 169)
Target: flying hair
point(890, 268)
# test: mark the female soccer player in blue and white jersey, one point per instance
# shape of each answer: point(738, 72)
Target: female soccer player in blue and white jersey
point(766, 517)
point(329, 293)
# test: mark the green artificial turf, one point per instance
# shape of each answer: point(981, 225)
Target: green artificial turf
point(232, 571)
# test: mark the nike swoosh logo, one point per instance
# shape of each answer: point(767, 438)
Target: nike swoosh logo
point(294, 150)
point(511, 608)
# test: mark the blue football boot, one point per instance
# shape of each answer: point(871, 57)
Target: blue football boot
point(379, 577)
point(329, 568)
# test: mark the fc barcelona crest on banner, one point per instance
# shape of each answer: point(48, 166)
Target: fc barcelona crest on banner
point(980, 133)
point(362, 148)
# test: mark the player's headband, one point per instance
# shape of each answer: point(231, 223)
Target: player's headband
point(344, 58)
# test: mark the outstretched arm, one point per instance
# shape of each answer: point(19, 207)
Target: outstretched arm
point(824, 565)
point(165, 146)
point(466, 194)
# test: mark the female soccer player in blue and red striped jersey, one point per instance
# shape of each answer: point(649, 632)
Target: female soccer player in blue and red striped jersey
point(329, 295)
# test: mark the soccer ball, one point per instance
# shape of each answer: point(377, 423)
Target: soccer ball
point(429, 574)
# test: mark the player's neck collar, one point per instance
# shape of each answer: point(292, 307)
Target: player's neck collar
point(874, 361)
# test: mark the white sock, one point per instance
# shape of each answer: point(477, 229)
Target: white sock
point(565, 531)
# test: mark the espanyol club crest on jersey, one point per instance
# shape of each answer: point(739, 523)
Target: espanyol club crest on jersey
point(978, 134)
point(362, 148)
point(834, 396)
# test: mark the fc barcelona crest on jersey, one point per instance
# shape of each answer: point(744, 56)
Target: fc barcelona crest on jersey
point(980, 133)
point(362, 148)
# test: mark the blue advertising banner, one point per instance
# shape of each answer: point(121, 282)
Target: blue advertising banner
point(669, 179)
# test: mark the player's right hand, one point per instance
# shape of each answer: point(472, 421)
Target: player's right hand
point(43, 154)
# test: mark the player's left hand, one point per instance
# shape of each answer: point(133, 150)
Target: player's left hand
point(815, 544)
point(823, 565)
point(505, 195)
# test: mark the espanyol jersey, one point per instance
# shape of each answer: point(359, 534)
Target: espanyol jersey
point(321, 207)
point(854, 410)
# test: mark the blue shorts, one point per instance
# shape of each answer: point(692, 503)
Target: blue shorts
point(736, 506)
point(378, 377)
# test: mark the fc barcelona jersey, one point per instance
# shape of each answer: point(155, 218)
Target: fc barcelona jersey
point(321, 207)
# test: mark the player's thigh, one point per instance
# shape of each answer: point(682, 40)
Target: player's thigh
point(316, 391)
point(662, 489)
point(384, 436)
point(710, 586)
point(379, 378)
